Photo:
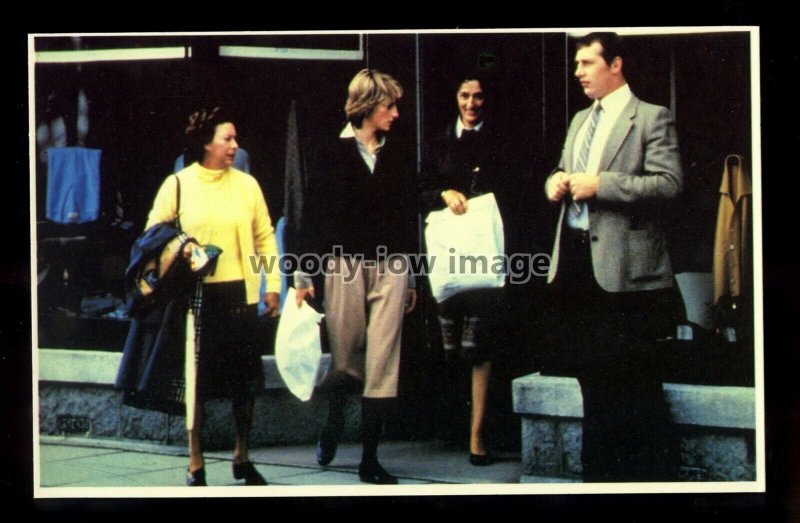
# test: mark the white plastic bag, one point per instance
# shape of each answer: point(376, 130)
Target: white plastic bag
point(297, 347)
point(465, 251)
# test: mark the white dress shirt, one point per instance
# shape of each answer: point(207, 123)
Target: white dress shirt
point(460, 127)
point(613, 104)
point(369, 158)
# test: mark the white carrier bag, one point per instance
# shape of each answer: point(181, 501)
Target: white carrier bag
point(298, 348)
point(465, 251)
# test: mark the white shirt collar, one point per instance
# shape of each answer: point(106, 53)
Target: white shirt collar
point(369, 158)
point(614, 102)
point(460, 127)
point(350, 132)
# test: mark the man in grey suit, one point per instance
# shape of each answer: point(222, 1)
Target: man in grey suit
point(611, 271)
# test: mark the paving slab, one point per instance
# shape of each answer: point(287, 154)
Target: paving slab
point(107, 463)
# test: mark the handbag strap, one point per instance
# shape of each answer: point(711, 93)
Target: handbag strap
point(178, 202)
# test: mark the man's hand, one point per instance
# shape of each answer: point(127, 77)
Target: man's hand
point(558, 186)
point(583, 186)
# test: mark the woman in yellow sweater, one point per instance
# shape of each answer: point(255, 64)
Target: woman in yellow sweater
point(223, 206)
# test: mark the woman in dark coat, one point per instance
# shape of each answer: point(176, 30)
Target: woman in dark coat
point(469, 159)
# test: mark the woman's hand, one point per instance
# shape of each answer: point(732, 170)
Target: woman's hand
point(455, 201)
point(301, 294)
point(273, 302)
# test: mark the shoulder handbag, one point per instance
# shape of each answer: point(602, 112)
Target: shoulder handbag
point(158, 271)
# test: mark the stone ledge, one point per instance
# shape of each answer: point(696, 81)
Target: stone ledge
point(701, 405)
point(78, 385)
point(100, 368)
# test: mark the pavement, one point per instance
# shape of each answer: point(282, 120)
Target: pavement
point(67, 462)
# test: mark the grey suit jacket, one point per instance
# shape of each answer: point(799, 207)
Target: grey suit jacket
point(640, 170)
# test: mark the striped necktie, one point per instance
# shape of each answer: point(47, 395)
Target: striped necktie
point(586, 147)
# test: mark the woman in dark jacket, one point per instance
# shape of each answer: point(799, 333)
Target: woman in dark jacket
point(470, 159)
point(361, 213)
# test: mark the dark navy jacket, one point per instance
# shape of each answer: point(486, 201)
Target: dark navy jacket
point(151, 372)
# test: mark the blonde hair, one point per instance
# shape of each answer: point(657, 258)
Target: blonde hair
point(367, 89)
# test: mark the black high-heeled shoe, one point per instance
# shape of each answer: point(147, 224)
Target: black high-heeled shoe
point(248, 472)
point(481, 460)
point(196, 478)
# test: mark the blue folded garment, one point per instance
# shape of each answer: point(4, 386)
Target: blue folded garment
point(73, 184)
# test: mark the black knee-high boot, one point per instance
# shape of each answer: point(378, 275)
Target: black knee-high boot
point(373, 412)
point(338, 390)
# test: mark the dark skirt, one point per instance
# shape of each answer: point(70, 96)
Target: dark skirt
point(230, 362)
point(473, 324)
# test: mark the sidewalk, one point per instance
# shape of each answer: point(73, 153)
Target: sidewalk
point(92, 462)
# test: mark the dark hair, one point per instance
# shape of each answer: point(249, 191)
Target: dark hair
point(200, 129)
point(475, 76)
point(612, 44)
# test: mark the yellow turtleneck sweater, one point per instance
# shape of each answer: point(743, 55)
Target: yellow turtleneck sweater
point(225, 208)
